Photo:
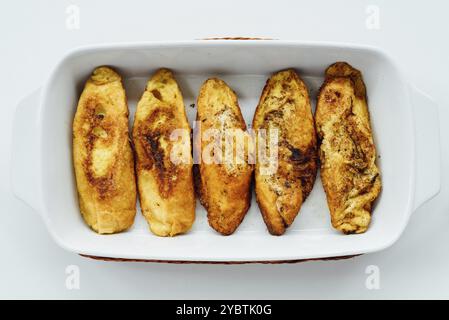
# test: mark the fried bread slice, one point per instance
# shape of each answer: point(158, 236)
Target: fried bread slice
point(224, 172)
point(161, 136)
point(102, 154)
point(349, 173)
point(284, 106)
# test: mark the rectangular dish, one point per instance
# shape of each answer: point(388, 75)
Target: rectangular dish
point(404, 121)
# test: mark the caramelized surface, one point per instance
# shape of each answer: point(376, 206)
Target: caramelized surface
point(349, 173)
point(224, 186)
point(102, 155)
point(164, 162)
point(285, 106)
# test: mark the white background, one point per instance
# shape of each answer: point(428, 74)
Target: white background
point(34, 37)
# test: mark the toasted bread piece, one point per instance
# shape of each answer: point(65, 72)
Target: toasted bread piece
point(224, 173)
point(102, 154)
point(285, 106)
point(161, 135)
point(349, 173)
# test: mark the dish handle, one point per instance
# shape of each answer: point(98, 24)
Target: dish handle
point(427, 147)
point(25, 151)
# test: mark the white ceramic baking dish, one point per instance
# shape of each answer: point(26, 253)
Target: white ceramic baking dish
point(404, 120)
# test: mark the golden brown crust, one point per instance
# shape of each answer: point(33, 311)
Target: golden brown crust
point(349, 173)
point(284, 105)
point(161, 135)
point(224, 186)
point(102, 155)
